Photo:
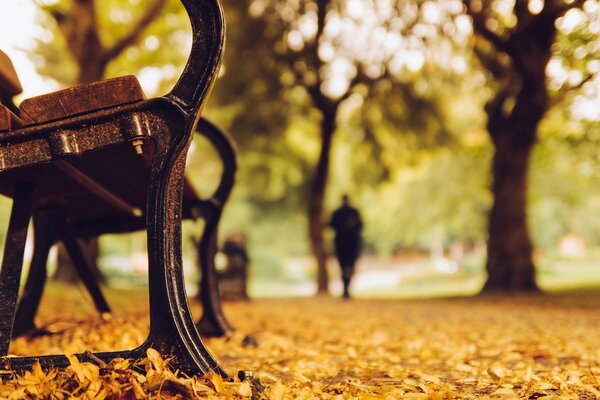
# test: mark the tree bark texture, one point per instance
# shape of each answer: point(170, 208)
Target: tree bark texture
point(317, 196)
point(509, 259)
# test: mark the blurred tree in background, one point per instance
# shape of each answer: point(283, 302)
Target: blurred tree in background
point(78, 23)
point(515, 46)
point(358, 57)
point(88, 40)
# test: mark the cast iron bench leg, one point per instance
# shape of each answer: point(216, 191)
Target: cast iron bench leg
point(213, 321)
point(43, 239)
point(46, 229)
point(82, 266)
point(171, 323)
point(12, 264)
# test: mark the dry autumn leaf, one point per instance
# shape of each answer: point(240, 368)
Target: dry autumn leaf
point(277, 391)
point(157, 361)
point(245, 390)
point(217, 382)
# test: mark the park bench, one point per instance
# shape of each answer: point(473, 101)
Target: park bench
point(101, 158)
point(213, 321)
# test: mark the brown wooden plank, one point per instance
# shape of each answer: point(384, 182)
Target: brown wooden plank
point(8, 120)
point(5, 122)
point(9, 81)
point(81, 99)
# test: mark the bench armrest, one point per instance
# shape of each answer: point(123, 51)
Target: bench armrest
point(201, 70)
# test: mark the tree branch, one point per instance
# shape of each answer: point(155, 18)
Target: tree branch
point(552, 9)
point(494, 109)
point(495, 64)
point(134, 34)
point(570, 89)
point(479, 20)
point(558, 8)
point(523, 15)
point(359, 78)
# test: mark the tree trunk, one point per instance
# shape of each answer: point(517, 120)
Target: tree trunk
point(510, 264)
point(91, 70)
point(517, 59)
point(317, 196)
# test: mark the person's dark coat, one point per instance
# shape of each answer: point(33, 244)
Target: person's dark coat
point(347, 223)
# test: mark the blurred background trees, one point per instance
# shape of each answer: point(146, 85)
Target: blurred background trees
point(408, 105)
point(335, 54)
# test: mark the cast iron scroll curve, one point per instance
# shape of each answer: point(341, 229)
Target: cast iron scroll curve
point(213, 321)
point(169, 123)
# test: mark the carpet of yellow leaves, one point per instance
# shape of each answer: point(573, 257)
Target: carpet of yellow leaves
point(527, 347)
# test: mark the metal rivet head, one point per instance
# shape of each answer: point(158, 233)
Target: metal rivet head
point(137, 145)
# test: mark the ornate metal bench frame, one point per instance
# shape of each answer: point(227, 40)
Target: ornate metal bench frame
point(213, 321)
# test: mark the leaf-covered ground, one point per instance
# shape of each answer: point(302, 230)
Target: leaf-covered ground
point(538, 347)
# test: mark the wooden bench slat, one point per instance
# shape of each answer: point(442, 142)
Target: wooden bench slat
point(81, 99)
point(5, 122)
point(9, 81)
point(8, 120)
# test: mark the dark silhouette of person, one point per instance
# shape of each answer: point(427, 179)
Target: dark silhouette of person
point(347, 224)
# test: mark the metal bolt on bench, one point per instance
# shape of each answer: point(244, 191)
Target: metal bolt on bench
point(100, 158)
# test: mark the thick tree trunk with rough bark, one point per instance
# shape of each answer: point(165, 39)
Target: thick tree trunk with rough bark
point(317, 197)
point(516, 57)
point(509, 263)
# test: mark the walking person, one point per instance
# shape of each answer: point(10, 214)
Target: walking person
point(347, 224)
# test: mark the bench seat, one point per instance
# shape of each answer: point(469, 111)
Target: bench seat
point(82, 99)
